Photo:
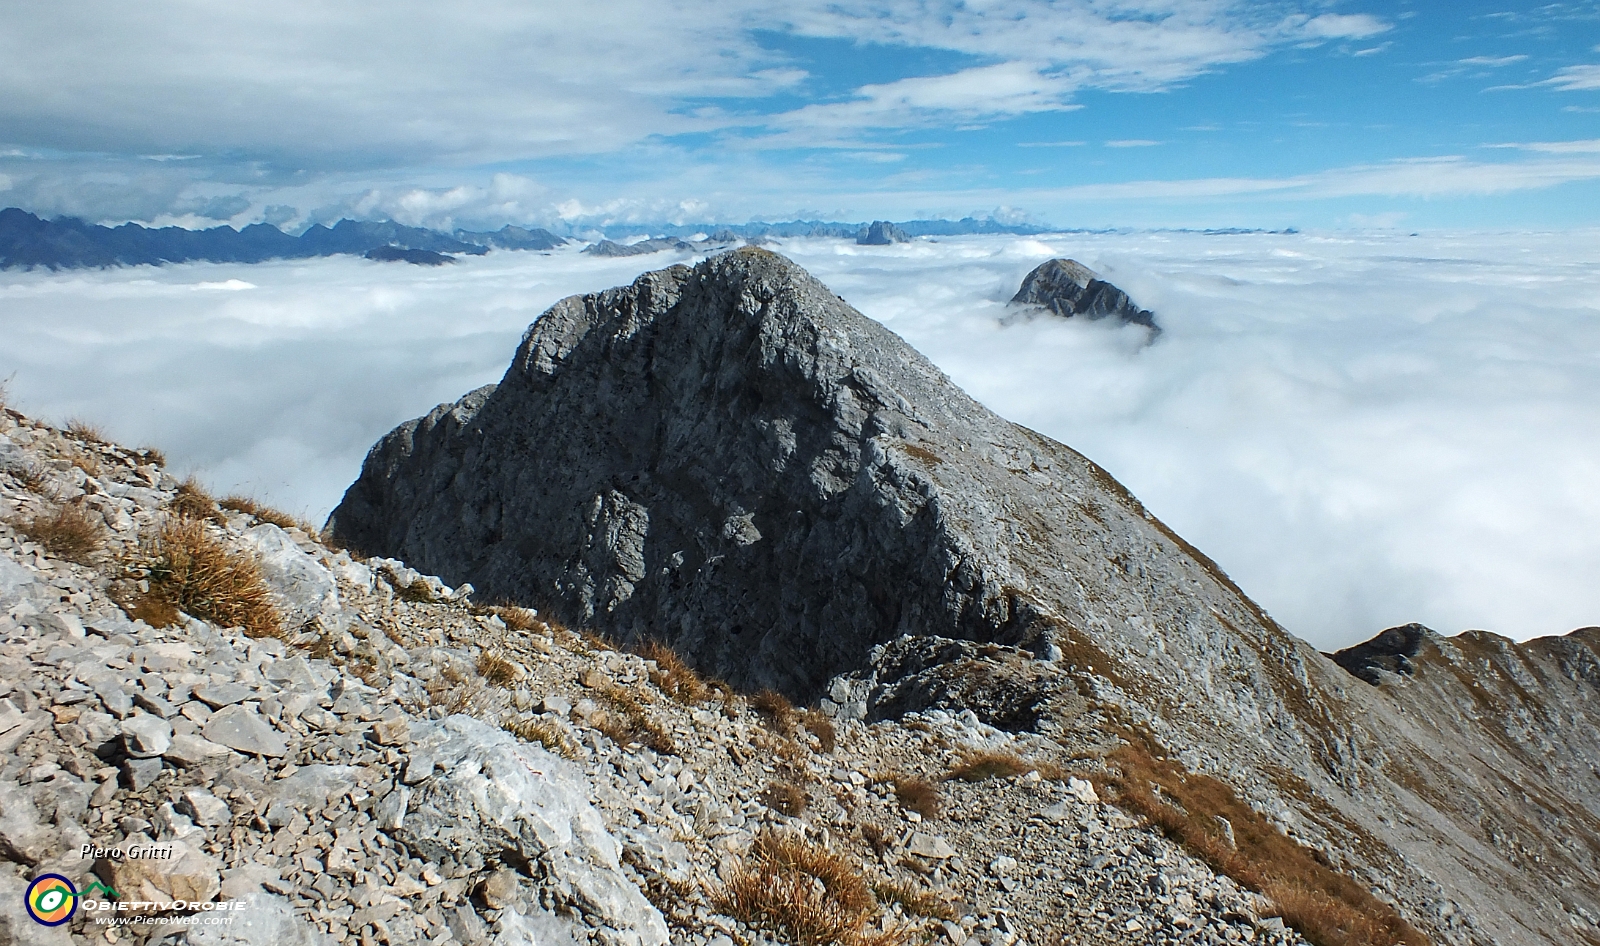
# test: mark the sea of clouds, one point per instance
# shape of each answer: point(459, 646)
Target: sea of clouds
point(1362, 429)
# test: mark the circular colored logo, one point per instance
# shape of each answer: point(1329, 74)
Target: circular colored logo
point(51, 899)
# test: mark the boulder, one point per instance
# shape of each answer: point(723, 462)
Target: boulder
point(302, 589)
point(1068, 288)
point(146, 736)
point(15, 582)
point(494, 794)
point(241, 728)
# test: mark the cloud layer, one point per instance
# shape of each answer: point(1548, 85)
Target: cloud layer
point(1362, 430)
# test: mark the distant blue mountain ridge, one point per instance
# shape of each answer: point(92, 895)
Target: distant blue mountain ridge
point(29, 242)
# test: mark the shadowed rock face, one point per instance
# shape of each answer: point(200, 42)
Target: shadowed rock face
point(1390, 651)
point(1068, 288)
point(730, 458)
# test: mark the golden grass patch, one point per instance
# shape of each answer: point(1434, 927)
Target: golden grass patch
point(786, 798)
point(1325, 906)
point(672, 676)
point(194, 572)
point(266, 513)
point(631, 721)
point(803, 893)
point(545, 732)
point(497, 670)
point(776, 709)
point(66, 531)
point(980, 765)
point(915, 900)
point(818, 724)
point(192, 501)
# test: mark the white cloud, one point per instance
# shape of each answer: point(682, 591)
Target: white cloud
point(1363, 429)
point(1417, 177)
point(977, 94)
point(1344, 26)
point(1575, 78)
point(1493, 62)
point(1133, 143)
point(1591, 146)
point(296, 84)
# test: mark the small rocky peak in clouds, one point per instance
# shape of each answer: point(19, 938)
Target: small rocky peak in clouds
point(1068, 288)
point(882, 233)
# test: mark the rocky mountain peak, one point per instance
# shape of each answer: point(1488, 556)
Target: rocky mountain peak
point(729, 458)
point(1068, 288)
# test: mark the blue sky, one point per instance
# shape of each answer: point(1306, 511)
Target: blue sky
point(1077, 113)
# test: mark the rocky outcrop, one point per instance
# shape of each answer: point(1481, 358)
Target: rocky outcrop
point(730, 458)
point(399, 254)
point(882, 233)
point(641, 248)
point(510, 237)
point(1068, 288)
point(1391, 652)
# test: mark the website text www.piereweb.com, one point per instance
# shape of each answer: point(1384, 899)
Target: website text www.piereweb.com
point(54, 900)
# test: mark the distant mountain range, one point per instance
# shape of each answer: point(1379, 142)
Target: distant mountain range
point(28, 241)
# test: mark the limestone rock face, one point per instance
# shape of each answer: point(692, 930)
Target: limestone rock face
point(731, 458)
point(497, 794)
point(1068, 288)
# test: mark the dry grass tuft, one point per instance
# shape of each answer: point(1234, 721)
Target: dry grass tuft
point(786, 798)
point(915, 900)
point(805, 894)
point(266, 513)
point(454, 689)
point(517, 619)
point(418, 592)
point(192, 501)
point(819, 725)
point(192, 571)
point(876, 838)
point(497, 670)
point(779, 713)
point(151, 455)
point(674, 677)
point(153, 610)
point(35, 479)
point(66, 531)
point(80, 429)
point(984, 764)
point(1325, 906)
point(632, 721)
point(914, 794)
point(545, 732)
point(88, 463)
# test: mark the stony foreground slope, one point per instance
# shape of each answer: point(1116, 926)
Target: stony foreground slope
point(393, 764)
point(731, 459)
